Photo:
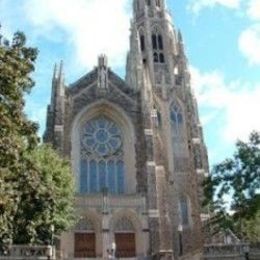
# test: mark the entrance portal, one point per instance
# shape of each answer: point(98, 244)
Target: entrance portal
point(85, 245)
point(125, 244)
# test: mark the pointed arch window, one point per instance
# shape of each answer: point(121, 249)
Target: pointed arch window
point(102, 162)
point(179, 139)
point(157, 43)
point(176, 118)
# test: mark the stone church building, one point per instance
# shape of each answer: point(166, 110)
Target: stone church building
point(136, 149)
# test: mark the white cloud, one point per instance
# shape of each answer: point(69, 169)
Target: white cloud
point(91, 26)
point(249, 42)
point(238, 103)
point(197, 5)
point(253, 11)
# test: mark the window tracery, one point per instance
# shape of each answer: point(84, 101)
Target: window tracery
point(102, 164)
point(157, 43)
point(85, 224)
point(124, 224)
point(176, 118)
point(179, 142)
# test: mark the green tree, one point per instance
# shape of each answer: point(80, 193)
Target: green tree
point(17, 135)
point(236, 180)
point(47, 199)
point(24, 185)
point(251, 228)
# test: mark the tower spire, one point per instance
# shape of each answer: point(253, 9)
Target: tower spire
point(61, 73)
point(55, 72)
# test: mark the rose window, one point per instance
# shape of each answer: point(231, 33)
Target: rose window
point(102, 137)
point(102, 163)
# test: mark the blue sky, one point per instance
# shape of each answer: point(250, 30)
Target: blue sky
point(222, 39)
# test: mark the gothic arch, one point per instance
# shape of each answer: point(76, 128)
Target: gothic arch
point(177, 106)
point(156, 28)
point(89, 224)
point(90, 217)
point(157, 44)
point(178, 145)
point(131, 224)
point(126, 214)
point(116, 114)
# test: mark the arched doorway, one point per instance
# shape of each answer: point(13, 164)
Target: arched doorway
point(125, 238)
point(84, 239)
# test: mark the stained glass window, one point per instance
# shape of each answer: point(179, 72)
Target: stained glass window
point(102, 166)
point(176, 118)
point(184, 211)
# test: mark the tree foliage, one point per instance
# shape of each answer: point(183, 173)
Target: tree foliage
point(30, 199)
point(236, 180)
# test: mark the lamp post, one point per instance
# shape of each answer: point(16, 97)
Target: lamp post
point(246, 251)
point(52, 234)
point(50, 248)
point(180, 230)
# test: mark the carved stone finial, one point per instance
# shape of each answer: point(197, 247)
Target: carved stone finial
point(102, 72)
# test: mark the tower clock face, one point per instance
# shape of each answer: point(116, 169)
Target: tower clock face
point(102, 137)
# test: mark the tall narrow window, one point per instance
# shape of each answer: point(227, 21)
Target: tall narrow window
point(160, 42)
point(179, 142)
point(155, 57)
point(176, 118)
point(102, 163)
point(157, 43)
point(142, 41)
point(161, 58)
point(184, 208)
point(154, 41)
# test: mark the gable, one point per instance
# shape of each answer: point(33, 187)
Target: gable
point(91, 79)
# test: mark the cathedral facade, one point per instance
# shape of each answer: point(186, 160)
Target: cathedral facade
point(136, 149)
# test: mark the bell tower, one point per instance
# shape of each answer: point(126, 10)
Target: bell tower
point(158, 41)
point(177, 157)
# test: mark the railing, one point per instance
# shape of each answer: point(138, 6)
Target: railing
point(21, 252)
point(112, 202)
point(223, 251)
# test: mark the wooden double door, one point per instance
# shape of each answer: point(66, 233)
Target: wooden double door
point(85, 245)
point(125, 245)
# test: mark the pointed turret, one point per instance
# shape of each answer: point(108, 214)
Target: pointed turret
point(60, 80)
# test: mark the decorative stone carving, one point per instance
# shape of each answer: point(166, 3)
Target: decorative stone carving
point(124, 224)
point(102, 72)
point(85, 224)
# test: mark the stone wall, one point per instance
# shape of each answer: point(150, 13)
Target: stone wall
point(232, 252)
point(26, 252)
